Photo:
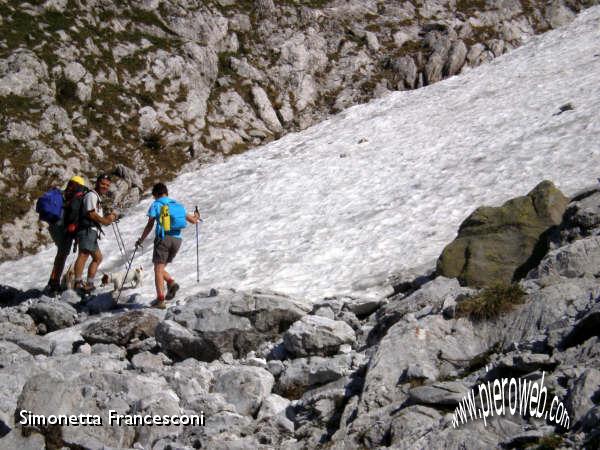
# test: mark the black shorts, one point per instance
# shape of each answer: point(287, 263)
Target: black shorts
point(165, 249)
point(62, 239)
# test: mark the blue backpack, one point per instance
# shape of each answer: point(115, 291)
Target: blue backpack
point(49, 206)
point(172, 216)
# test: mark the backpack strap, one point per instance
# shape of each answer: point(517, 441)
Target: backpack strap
point(164, 201)
point(84, 221)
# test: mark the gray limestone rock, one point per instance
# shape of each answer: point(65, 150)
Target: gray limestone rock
point(54, 314)
point(65, 392)
point(586, 354)
point(578, 259)
point(181, 342)
point(583, 393)
point(273, 405)
point(447, 393)
point(14, 316)
point(65, 340)
point(301, 374)
point(35, 345)
point(23, 74)
point(265, 109)
point(434, 68)
point(189, 379)
point(456, 58)
point(234, 322)
point(582, 216)
point(362, 308)
point(432, 296)
point(316, 335)
point(559, 14)
point(109, 349)
point(411, 423)
point(16, 440)
point(148, 362)
point(121, 329)
point(243, 386)
point(427, 349)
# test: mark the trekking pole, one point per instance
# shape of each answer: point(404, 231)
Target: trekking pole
point(197, 248)
point(121, 250)
point(126, 273)
point(116, 222)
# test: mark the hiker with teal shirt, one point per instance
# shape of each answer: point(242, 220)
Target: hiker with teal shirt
point(170, 218)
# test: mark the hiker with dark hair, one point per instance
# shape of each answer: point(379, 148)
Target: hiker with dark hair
point(170, 218)
point(62, 232)
point(90, 229)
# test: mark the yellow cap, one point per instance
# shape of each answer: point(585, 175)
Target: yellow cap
point(77, 179)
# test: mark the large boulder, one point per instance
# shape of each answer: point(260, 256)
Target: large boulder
point(95, 392)
point(232, 322)
point(500, 244)
point(302, 374)
point(243, 386)
point(316, 335)
point(54, 315)
point(121, 329)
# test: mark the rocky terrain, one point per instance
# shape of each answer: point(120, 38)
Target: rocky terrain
point(270, 371)
point(155, 85)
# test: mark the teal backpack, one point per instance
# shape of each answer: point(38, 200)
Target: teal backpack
point(171, 217)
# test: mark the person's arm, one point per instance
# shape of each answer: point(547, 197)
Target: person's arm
point(146, 231)
point(193, 218)
point(106, 220)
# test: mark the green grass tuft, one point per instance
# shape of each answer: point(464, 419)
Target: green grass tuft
point(492, 302)
point(550, 442)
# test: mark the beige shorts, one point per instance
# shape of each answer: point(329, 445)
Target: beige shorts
point(165, 249)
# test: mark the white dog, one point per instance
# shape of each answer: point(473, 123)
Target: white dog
point(134, 278)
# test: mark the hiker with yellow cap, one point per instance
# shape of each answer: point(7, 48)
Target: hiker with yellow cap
point(63, 229)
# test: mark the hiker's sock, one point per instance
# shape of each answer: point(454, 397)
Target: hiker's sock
point(160, 297)
point(169, 281)
point(90, 281)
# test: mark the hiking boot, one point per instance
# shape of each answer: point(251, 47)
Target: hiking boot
point(171, 291)
point(158, 304)
point(84, 287)
point(52, 288)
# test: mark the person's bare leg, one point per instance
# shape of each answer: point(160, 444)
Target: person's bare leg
point(166, 276)
point(59, 266)
point(96, 260)
point(80, 264)
point(159, 280)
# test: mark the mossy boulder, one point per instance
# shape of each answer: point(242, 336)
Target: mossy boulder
point(501, 244)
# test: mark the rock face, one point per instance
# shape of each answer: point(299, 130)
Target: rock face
point(83, 85)
point(501, 244)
